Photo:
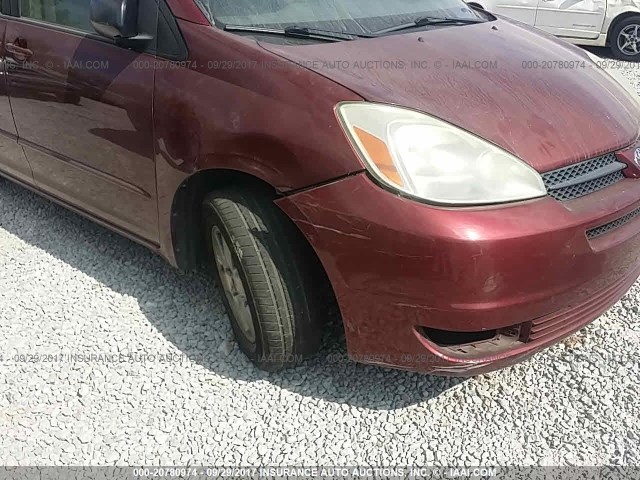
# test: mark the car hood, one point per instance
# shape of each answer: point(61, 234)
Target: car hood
point(539, 98)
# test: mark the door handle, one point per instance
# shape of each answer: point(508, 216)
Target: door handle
point(19, 53)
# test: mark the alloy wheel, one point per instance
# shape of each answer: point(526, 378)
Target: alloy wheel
point(232, 284)
point(629, 40)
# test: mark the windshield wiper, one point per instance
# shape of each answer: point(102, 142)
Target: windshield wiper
point(295, 31)
point(424, 21)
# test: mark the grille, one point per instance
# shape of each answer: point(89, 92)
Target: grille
point(602, 229)
point(584, 178)
point(561, 323)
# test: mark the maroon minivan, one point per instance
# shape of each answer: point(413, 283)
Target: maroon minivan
point(461, 188)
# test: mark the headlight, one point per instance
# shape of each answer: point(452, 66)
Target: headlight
point(433, 160)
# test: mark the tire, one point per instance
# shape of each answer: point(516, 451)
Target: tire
point(276, 320)
point(626, 30)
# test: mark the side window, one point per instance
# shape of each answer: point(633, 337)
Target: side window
point(6, 7)
point(68, 13)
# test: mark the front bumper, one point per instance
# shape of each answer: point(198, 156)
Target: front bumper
point(526, 271)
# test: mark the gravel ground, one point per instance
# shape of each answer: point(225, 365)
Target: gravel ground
point(69, 286)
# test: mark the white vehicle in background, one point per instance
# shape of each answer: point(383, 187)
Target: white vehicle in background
point(613, 23)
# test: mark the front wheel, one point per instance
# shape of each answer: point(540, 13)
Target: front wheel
point(268, 276)
point(625, 39)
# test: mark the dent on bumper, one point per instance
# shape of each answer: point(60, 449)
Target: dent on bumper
point(397, 265)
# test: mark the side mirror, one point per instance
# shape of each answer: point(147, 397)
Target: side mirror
point(115, 18)
point(118, 20)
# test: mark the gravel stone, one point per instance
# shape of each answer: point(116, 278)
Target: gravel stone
point(69, 287)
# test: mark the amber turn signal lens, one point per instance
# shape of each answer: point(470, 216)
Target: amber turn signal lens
point(379, 155)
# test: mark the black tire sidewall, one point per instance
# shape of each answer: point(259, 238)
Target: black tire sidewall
point(613, 41)
point(255, 351)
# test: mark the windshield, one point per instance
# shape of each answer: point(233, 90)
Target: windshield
point(364, 16)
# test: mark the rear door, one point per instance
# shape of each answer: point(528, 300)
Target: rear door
point(83, 111)
point(522, 10)
point(571, 18)
point(12, 158)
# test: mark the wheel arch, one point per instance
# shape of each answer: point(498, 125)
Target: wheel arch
point(620, 16)
point(188, 234)
point(186, 210)
point(186, 213)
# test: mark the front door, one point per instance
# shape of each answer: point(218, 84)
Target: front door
point(13, 161)
point(571, 18)
point(522, 10)
point(83, 112)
